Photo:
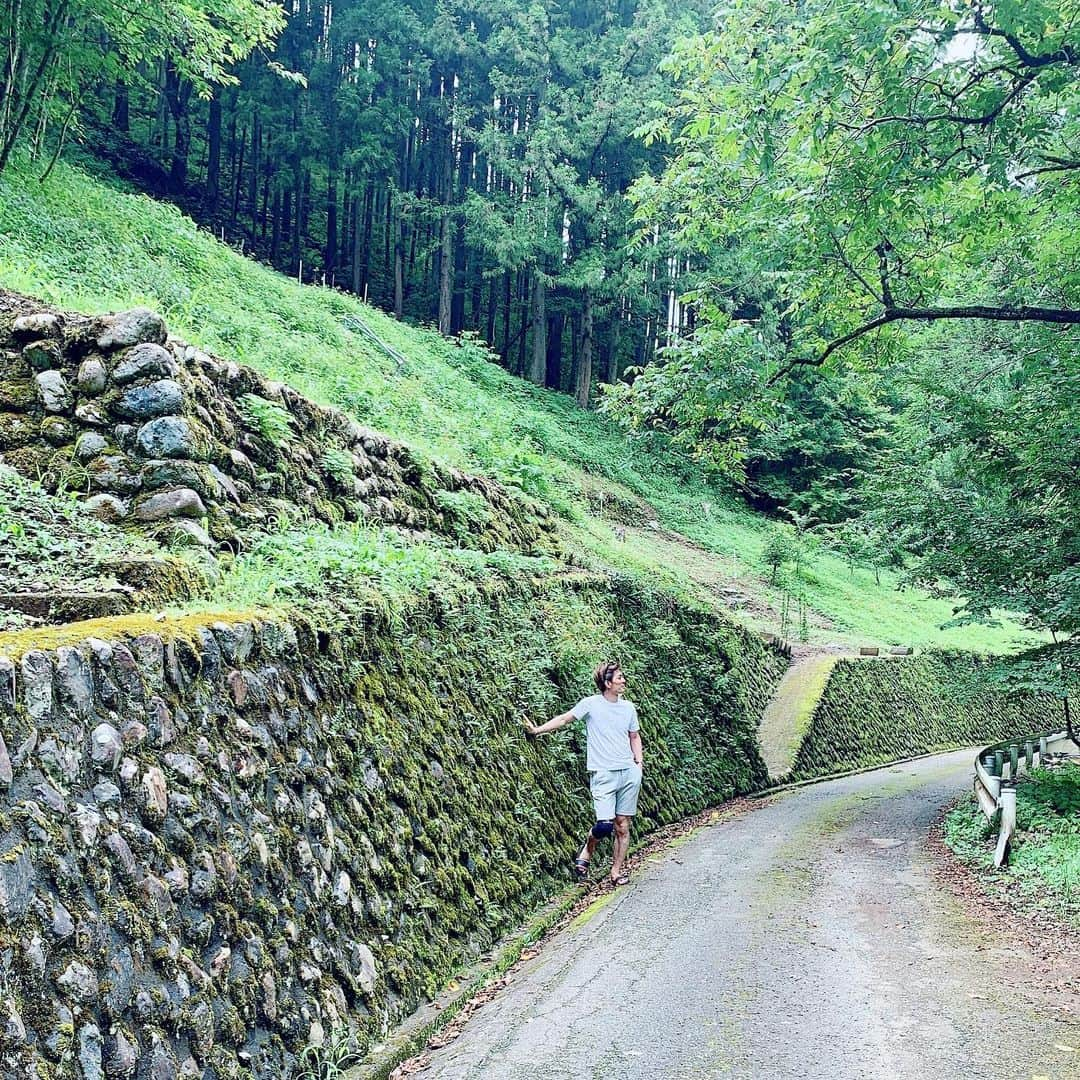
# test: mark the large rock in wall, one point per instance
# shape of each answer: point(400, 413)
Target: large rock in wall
point(875, 711)
point(221, 839)
point(162, 436)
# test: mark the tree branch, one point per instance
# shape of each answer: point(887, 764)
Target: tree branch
point(1059, 316)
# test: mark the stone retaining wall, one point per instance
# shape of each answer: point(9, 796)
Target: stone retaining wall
point(221, 840)
point(164, 437)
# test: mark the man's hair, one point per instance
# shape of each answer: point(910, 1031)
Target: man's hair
point(604, 673)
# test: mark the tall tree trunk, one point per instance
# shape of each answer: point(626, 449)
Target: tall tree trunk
point(489, 324)
point(121, 113)
point(177, 95)
point(538, 368)
point(256, 158)
point(213, 157)
point(369, 220)
point(508, 299)
point(553, 354)
point(238, 174)
point(330, 254)
point(584, 372)
point(399, 265)
point(357, 246)
point(524, 303)
point(275, 231)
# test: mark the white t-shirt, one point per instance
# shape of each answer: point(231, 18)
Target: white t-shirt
point(607, 727)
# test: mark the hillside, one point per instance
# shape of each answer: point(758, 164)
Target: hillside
point(79, 243)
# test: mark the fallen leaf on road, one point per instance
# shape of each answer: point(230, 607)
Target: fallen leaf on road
point(1067, 1049)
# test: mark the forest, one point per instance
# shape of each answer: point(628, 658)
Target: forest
point(828, 252)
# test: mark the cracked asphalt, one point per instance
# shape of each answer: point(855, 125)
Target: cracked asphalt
point(808, 939)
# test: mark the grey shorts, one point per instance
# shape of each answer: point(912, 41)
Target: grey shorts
point(615, 792)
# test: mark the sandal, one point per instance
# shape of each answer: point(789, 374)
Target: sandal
point(581, 870)
point(622, 879)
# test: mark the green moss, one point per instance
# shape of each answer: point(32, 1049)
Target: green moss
point(122, 627)
point(875, 711)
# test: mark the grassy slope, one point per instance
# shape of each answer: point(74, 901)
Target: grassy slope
point(79, 243)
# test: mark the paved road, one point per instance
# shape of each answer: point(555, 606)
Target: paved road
point(804, 940)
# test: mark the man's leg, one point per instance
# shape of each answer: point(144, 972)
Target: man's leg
point(602, 786)
point(622, 844)
point(599, 830)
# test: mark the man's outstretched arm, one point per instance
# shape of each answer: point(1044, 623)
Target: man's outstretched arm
point(553, 724)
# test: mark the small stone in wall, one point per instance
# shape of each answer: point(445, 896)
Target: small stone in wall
point(37, 685)
point(160, 1064)
point(92, 414)
point(107, 508)
point(188, 533)
point(57, 430)
point(143, 362)
point(92, 376)
point(35, 956)
point(63, 925)
point(106, 745)
point(156, 793)
point(150, 651)
point(181, 502)
point(53, 392)
point(180, 473)
point(160, 398)
point(13, 1026)
point(113, 473)
point(43, 355)
point(39, 324)
point(90, 1052)
point(90, 444)
point(120, 850)
point(17, 879)
point(131, 328)
point(122, 1055)
point(134, 733)
point(107, 793)
point(87, 823)
point(7, 774)
point(74, 681)
point(167, 437)
point(79, 982)
point(7, 687)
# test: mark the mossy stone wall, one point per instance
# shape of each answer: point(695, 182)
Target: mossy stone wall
point(217, 843)
point(876, 711)
point(163, 438)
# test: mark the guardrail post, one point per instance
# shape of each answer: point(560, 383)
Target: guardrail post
point(1007, 802)
point(1029, 754)
point(999, 762)
point(1014, 760)
point(1042, 749)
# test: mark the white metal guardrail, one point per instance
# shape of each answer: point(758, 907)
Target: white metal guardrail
point(997, 769)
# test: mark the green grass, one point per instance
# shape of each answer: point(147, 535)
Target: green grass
point(80, 243)
point(1043, 871)
point(46, 541)
point(339, 574)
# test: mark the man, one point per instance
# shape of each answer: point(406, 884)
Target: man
point(614, 762)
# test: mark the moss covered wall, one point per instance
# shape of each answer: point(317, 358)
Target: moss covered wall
point(875, 711)
point(184, 447)
point(215, 842)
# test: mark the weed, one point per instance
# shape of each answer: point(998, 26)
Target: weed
point(271, 421)
point(338, 465)
point(329, 1060)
